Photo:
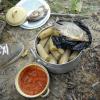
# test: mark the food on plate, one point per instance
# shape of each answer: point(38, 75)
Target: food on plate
point(65, 57)
point(38, 14)
point(43, 54)
point(16, 16)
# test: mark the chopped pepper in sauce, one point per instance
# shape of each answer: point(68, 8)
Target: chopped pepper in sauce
point(33, 80)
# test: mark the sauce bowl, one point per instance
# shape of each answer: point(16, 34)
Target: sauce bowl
point(43, 93)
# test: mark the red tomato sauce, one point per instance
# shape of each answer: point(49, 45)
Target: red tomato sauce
point(32, 80)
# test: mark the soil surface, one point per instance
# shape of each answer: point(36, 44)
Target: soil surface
point(75, 85)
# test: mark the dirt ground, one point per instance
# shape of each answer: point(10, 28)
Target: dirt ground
point(75, 85)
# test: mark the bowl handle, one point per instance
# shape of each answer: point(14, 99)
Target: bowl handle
point(46, 94)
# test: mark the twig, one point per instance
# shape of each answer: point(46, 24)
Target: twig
point(70, 15)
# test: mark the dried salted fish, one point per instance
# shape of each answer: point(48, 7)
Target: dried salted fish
point(62, 42)
point(79, 46)
point(38, 14)
point(86, 29)
point(71, 31)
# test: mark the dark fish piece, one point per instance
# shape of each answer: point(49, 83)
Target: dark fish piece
point(79, 47)
point(62, 42)
point(38, 14)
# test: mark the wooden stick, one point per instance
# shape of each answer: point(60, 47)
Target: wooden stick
point(70, 15)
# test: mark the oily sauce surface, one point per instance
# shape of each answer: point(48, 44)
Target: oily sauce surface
point(32, 80)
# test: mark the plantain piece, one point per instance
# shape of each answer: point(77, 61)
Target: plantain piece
point(46, 33)
point(73, 55)
point(42, 52)
point(64, 58)
point(60, 50)
point(43, 41)
point(56, 54)
point(52, 46)
point(52, 59)
point(47, 47)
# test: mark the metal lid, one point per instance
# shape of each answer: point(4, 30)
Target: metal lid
point(30, 6)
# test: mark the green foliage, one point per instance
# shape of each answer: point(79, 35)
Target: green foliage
point(76, 6)
point(56, 6)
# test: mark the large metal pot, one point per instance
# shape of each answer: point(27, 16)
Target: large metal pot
point(56, 68)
